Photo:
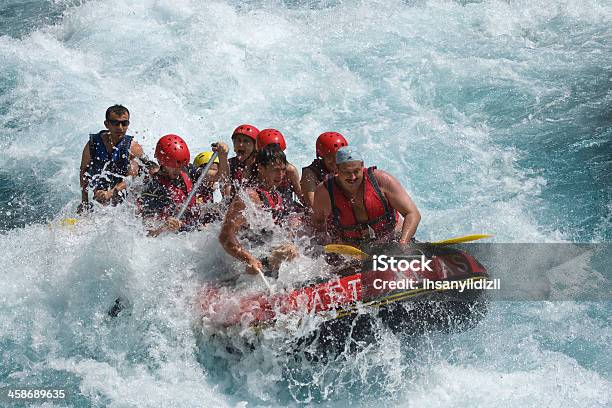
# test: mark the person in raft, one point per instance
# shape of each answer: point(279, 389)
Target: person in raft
point(290, 188)
point(167, 189)
point(217, 172)
point(262, 189)
point(243, 140)
point(326, 146)
point(206, 190)
point(107, 159)
point(362, 205)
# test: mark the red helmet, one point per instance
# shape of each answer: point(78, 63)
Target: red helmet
point(269, 136)
point(329, 142)
point(172, 151)
point(247, 130)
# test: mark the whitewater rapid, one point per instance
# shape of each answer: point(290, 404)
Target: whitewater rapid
point(494, 115)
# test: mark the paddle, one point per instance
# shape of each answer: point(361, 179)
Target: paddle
point(358, 253)
point(68, 222)
point(197, 184)
point(263, 277)
point(459, 240)
point(345, 250)
point(64, 223)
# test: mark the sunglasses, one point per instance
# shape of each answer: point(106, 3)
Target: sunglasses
point(114, 122)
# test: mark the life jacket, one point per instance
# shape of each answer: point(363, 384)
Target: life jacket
point(237, 169)
point(177, 196)
point(291, 201)
point(318, 169)
point(286, 191)
point(381, 216)
point(107, 170)
point(204, 195)
point(272, 202)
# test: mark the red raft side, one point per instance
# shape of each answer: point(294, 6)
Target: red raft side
point(225, 307)
point(325, 296)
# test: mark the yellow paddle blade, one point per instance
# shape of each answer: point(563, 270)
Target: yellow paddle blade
point(64, 224)
point(346, 250)
point(68, 222)
point(466, 238)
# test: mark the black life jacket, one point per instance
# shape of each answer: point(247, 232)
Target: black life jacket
point(237, 169)
point(107, 170)
point(163, 198)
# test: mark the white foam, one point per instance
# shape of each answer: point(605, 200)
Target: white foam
point(382, 73)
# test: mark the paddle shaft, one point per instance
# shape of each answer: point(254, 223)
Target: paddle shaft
point(460, 240)
point(263, 277)
point(358, 253)
point(197, 184)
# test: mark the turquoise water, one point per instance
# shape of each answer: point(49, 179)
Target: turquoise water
point(495, 116)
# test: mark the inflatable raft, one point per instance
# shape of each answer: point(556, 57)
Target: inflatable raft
point(427, 287)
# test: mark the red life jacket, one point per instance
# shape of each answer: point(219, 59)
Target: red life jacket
point(236, 169)
point(272, 202)
point(177, 194)
point(381, 216)
point(240, 174)
point(286, 190)
point(204, 195)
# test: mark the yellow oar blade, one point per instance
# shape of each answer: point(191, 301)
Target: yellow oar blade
point(466, 238)
point(346, 250)
point(66, 222)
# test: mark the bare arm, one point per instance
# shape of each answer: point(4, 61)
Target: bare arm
point(224, 170)
point(132, 172)
point(169, 224)
point(137, 153)
point(104, 196)
point(136, 150)
point(401, 201)
point(309, 185)
point(233, 221)
point(321, 208)
point(294, 178)
point(226, 190)
point(83, 177)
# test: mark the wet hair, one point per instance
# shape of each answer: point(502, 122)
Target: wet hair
point(117, 110)
point(271, 154)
